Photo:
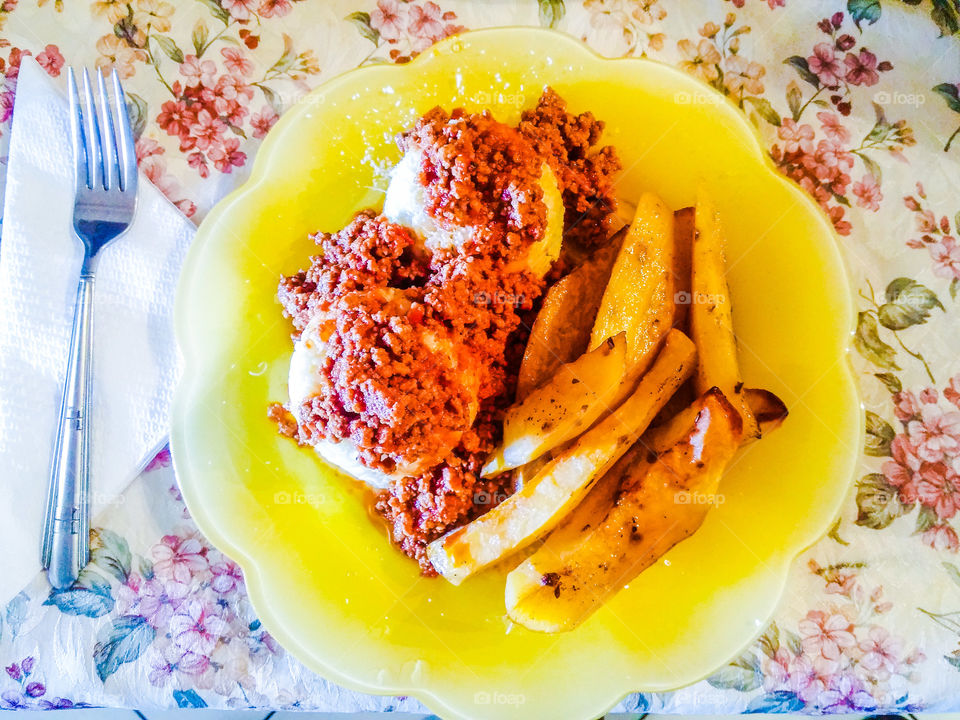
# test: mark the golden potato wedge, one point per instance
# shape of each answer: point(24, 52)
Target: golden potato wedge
point(542, 502)
point(636, 513)
point(561, 332)
point(683, 230)
point(711, 318)
point(769, 410)
point(639, 297)
point(578, 394)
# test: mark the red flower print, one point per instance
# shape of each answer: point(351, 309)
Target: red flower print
point(867, 192)
point(946, 258)
point(176, 118)
point(938, 489)
point(236, 62)
point(198, 161)
point(952, 391)
point(861, 68)
point(385, 18)
point(51, 60)
point(901, 471)
point(825, 65)
point(198, 72)
point(262, 121)
point(941, 537)
point(275, 8)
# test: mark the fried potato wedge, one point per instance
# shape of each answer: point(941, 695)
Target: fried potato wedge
point(711, 318)
point(541, 503)
point(639, 299)
point(577, 395)
point(561, 332)
point(648, 502)
point(769, 410)
point(683, 230)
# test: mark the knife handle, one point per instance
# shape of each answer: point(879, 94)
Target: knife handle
point(65, 548)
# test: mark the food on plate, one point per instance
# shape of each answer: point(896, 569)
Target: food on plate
point(769, 410)
point(410, 323)
point(639, 298)
point(711, 318)
point(561, 332)
point(577, 395)
point(683, 230)
point(509, 354)
point(656, 496)
point(541, 503)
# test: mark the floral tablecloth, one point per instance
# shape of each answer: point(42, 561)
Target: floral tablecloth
point(858, 101)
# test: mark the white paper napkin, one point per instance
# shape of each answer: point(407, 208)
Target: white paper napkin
point(136, 363)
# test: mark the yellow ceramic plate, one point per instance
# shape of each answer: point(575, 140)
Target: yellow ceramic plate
point(322, 575)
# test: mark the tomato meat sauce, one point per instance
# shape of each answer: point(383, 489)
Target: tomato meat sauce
point(421, 347)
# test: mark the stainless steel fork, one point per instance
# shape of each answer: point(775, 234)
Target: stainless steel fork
point(105, 182)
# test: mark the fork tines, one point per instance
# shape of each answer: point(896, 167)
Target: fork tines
point(101, 135)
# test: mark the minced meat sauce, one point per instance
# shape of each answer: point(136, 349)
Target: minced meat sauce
point(422, 349)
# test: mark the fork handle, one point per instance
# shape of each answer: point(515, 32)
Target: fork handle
point(66, 537)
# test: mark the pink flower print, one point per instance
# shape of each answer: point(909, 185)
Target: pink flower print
point(51, 60)
point(901, 472)
point(946, 258)
point(196, 628)
point(207, 130)
point(825, 636)
point(198, 161)
point(262, 121)
point(198, 72)
point(941, 537)
point(776, 670)
point(152, 599)
point(831, 158)
point(144, 148)
point(825, 65)
point(845, 693)
point(178, 559)
point(425, 26)
point(905, 405)
point(386, 19)
point(833, 128)
point(868, 193)
point(927, 222)
point(861, 68)
point(225, 155)
point(236, 62)
point(796, 137)
point(842, 583)
point(935, 433)
point(804, 680)
point(240, 9)
point(226, 577)
point(275, 8)
point(952, 391)
point(938, 489)
point(880, 653)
